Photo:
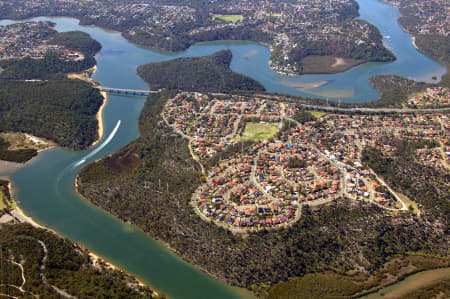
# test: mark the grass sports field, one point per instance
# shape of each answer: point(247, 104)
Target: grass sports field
point(259, 131)
point(229, 18)
point(317, 114)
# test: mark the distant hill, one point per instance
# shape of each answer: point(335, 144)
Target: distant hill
point(209, 73)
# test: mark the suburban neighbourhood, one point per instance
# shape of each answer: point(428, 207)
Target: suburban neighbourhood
point(32, 39)
point(292, 29)
point(287, 162)
point(430, 17)
point(436, 96)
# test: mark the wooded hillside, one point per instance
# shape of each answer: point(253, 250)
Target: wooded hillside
point(209, 73)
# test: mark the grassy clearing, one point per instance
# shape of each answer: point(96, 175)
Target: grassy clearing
point(3, 201)
point(410, 203)
point(18, 140)
point(228, 18)
point(426, 254)
point(351, 272)
point(317, 114)
point(327, 285)
point(330, 285)
point(259, 131)
point(326, 64)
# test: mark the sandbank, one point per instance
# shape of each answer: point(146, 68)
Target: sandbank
point(7, 167)
point(414, 42)
point(99, 118)
point(301, 85)
point(338, 62)
point(85, 75)
point(332, 93)
point(251, 53)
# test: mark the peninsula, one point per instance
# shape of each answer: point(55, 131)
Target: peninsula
point(36, 96)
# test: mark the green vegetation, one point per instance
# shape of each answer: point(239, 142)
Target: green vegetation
point(436, 290)
point(66, 267)
point(259, 131)
point(304, 116)
point(434, 45)
point(438, 47)
point(180, 41)
point(20, 155)
point(228, 18)
point(336, 285)
point(373, 51)
point(326, 286)
point(229, 152)
point(132, 185)
point(296, 163)
point(3, 204)
point(423, 183)
point(77, 41)
point(5, 197)
point(210, 73)
point(426, 254)
point(327, 64)
point(51, 65)
point(317, 114)
point(59, 110)
point(28, 68)
point(394, 91)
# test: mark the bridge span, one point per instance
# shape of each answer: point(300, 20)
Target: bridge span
point(133, 92)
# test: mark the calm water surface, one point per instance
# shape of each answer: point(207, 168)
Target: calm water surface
point(45, 187)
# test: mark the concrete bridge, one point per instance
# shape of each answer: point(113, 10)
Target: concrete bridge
point(134, 92)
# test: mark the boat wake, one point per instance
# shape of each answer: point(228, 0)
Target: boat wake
point(100, 147)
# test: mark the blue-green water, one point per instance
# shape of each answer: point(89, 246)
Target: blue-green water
point(45, 187)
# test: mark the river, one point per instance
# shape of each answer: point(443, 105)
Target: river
point(44, 189)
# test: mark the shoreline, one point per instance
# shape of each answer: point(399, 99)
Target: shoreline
point(87, 76)
point(8, 167)
point(99, 118)
point(94, 256)
point(24, 216)
point(310, 85)
point(159, 241)
point(414, 42)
